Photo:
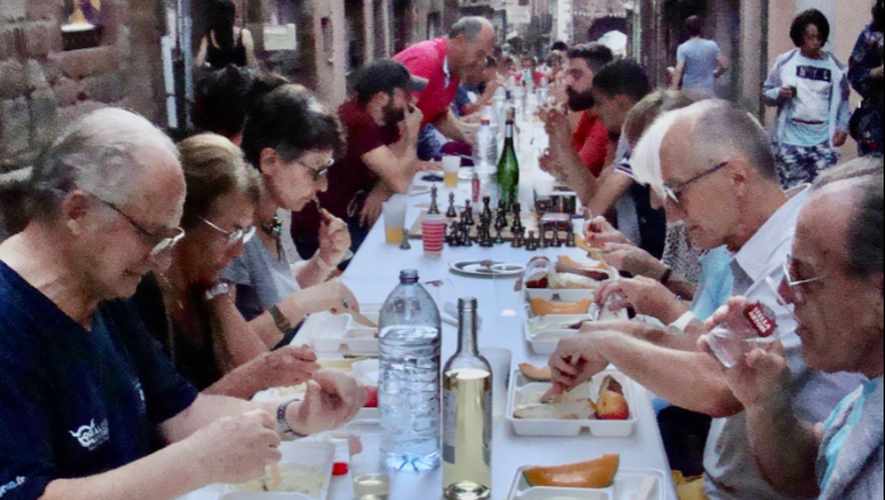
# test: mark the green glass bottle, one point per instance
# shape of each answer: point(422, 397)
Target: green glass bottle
point(508, 166)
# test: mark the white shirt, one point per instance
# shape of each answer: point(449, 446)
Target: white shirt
point(731, 470)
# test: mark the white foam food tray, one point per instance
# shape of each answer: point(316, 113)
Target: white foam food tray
point(525, 393)
point(330, 333)
point(562, 295)
point(543, 333)
point(300, 455)
point(628, 483)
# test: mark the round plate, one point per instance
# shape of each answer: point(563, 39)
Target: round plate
point(420, 189)
point(485, 268)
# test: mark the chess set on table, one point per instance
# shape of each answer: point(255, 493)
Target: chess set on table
point(487, 228)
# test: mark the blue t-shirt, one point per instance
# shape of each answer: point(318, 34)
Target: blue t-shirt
point(701, 58)
point(76, 403)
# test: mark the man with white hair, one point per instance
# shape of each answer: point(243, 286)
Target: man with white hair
point(85, 394)
point(718, 176)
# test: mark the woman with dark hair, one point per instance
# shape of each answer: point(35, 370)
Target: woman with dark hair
point(866, 74)
point(810, 89)
point(224, 43)
point(179, 306)
point(291, 138)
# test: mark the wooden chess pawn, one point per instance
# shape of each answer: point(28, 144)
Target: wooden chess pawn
point(543, 243)
point(532, 243)
point(557, 241)
point(453, 212)
point(499, 240)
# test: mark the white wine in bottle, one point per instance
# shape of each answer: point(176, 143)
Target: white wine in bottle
point(467, 444)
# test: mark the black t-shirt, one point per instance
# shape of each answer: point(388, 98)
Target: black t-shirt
point(76, 403)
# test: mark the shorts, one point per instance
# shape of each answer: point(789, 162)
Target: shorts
point(799, 165)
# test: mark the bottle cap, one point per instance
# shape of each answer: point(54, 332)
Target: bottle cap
point(408, 276)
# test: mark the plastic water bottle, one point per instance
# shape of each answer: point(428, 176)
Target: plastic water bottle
point(410, 384)
point(485, 158)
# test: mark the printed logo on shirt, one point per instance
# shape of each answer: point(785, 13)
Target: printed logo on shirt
point(93, 436)
point(814, 73)
point(17, 483)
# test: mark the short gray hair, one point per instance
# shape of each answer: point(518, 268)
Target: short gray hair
point(866, 231)
point(100, 153)
point(470, 27)
point(725, 129)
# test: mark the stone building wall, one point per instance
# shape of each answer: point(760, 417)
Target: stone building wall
point(43, 88)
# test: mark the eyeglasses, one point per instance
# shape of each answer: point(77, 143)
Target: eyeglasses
point(795, 285)
point(233, 237)
point(162, 242)
point(318, 174)
point(676, 191)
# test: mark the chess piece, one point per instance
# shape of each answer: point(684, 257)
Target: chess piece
point(452, 236)
point(532, 243)
point(453, 212)
point(517, 241)
point(517, 223)
point(466, 239)
point(543, 243)
point(570, 240)
point(469, 211)
point(499, 240)
point(487, 207)
point(485, 239)
point(557, 241)
point(405, 245)
point(434, 208)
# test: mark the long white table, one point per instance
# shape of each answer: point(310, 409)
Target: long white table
point(374, 273)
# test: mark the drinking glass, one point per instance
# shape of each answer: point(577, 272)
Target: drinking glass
point(506, 294)
point(500, 360)
point(371, 480)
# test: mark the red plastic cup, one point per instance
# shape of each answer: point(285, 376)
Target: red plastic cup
point(433, 229)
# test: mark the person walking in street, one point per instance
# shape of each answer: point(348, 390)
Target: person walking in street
point(699, 63)
point(866, 73)
point(809, 86)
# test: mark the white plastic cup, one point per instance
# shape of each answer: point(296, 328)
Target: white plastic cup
point(451, 169)
point(500, 360)
point(394, 221)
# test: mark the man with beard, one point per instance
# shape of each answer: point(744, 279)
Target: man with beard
point(588, 148)
point(382, 129)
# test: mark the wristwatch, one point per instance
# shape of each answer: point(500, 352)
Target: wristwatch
point(285, 428)
point(216, 291)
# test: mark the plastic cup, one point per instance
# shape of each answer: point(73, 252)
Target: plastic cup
point(371, 479)
point(433, 229)
point(394, 221)
point(451, 169)
point(756, 326)
point(501, 361)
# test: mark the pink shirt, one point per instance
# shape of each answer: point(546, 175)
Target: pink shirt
point(428, 60)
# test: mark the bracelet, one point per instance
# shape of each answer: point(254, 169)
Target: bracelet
point(285, 428)
point(283, 323)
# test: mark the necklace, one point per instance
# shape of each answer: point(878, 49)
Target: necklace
point(275, 230)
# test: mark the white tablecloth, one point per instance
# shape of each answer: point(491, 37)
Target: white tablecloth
point(374, 273)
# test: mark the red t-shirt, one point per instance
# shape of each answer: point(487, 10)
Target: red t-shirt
point(592, 142)
point(427, 60)
point(350, 180)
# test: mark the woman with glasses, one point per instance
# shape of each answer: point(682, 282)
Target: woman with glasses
point(290, 138)
point(809, 86)
point(179, 306)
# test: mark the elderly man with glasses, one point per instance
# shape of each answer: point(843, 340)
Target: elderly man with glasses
point(86, 396)
point(835, 281)
point(712, 169)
